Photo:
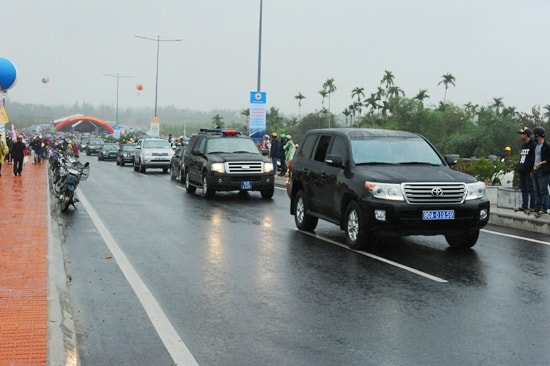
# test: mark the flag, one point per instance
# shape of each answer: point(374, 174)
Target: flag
point(3, 116)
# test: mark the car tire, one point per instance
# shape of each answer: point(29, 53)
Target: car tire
point(122, 163)
point(302, 220)
point(172, 176)
point(165, 170)
point(462, 240)
point(267, 193)
point(188, 186)
point(355, 228)
point(135, 166)
point(142, 168)
point(207, 191)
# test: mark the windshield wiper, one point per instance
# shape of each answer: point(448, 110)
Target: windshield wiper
point(375, 163)
point(418, 163)
point(243, 151)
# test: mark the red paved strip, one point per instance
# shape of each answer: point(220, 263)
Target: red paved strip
point(23, 266)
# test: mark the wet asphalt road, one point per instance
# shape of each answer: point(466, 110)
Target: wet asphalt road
point(159, 276)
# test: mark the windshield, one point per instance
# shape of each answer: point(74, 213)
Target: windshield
point(129, 148)
point(157, 144)
point(110, 147)
point(393, 150)
point(231, 145)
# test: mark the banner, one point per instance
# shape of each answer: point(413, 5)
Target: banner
point(3, 115)
point(258, 116)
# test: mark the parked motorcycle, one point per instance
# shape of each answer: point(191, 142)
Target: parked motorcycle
point(71, 172)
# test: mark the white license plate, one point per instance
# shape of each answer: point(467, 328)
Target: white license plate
point(246, 184)
point(438, 215)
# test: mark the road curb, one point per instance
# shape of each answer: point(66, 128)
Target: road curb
point(62, 346)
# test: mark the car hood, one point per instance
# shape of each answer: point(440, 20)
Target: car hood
point(223, 157)
point(412, 173)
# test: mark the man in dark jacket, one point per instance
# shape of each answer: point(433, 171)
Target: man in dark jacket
point(525, 170)
point(18, 154)
point(541, 171)
point(275, 150)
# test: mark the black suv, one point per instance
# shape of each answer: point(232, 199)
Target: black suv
point(372, 181)
point(224, 160)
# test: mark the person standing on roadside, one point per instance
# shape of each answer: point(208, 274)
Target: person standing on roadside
point(290, 149)
point(275, 150)
point(4, 151)
point(9, 142)
point(525, 170)
point(541, 171)
point(18, 154)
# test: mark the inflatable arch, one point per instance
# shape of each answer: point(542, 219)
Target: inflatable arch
point(84, 124)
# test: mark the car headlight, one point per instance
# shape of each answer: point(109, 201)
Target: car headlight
point(385, 191)
point(217, 167)
point(268, 167)
point(475, 190)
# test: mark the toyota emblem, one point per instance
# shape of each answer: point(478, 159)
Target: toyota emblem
point(437, 192)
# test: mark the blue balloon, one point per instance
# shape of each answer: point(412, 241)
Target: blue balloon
point(8, 74)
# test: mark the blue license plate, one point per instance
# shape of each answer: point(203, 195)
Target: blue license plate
point(438, 215)
point(246, 184)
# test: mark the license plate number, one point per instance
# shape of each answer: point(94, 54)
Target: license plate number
point(438, 215)
point(246, 184)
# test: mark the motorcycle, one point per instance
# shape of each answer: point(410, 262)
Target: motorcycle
point(71, 173)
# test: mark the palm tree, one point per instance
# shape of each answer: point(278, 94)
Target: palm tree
point(395, 91)
point(497, 105)
point(547, 113)
point(299, 97)
point(324, 94)
point(448, 79)
point(387, 79)
point(358, 93)
point(330, 88)
point(217, 121)
point(347, 113)
point(422, 94)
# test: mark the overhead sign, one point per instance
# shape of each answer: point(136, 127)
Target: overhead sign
point(258, 115)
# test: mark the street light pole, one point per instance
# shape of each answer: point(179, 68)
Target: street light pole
point(117, 76)
point(260, 48)
point(158, 40)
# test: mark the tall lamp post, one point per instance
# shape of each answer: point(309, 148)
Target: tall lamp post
point(260, 48)
point(117, 76)
point(158, 40)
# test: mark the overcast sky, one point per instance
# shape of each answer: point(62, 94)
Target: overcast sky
point(494, 48)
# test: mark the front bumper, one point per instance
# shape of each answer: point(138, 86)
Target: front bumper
point(406, 219)
point(228, 182)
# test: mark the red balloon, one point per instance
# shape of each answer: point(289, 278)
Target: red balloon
point(139, 87)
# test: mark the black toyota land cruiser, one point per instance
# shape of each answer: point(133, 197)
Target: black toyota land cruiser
point(372, 181)
point(224, 160)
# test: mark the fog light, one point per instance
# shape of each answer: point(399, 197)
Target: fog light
point(220, 180)
point(380, 215)
point(483, 214)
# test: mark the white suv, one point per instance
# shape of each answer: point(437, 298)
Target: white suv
point(152, 153)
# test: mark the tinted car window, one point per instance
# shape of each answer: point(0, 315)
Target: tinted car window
point(307, 146)
point(393, 150)
point(339, 147)
point(322, 148)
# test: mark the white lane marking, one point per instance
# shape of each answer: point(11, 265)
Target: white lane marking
point(387, 261)
point(516, 237)
point(172, 341)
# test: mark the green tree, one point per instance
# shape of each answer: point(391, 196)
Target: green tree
point(421, 95)
point(497, 105)
point(299, 97)
point(448, 79)
point(330, 88)
point(217, 121)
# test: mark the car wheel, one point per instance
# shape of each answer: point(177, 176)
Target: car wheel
point(207, 191)
point(462, 240)
point(135, 166)
point(165, 170)
point(355, 228)
point(122, 163)
point(188, 186)
point(117, 162)
point(268, 193)
point(172, 176)
point(142, 168)
point(302, 220)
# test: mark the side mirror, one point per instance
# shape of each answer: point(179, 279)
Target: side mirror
point(451, 159)
point(334, 160)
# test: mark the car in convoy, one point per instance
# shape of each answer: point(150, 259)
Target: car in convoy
point(125, 154)
point(224, 160)
point(152, 153)
point(175, 164)
point(107, 151)
point(93, 146)
point(373, 181)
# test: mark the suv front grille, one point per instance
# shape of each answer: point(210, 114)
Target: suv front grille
point(445, 193)
point(244, 167)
